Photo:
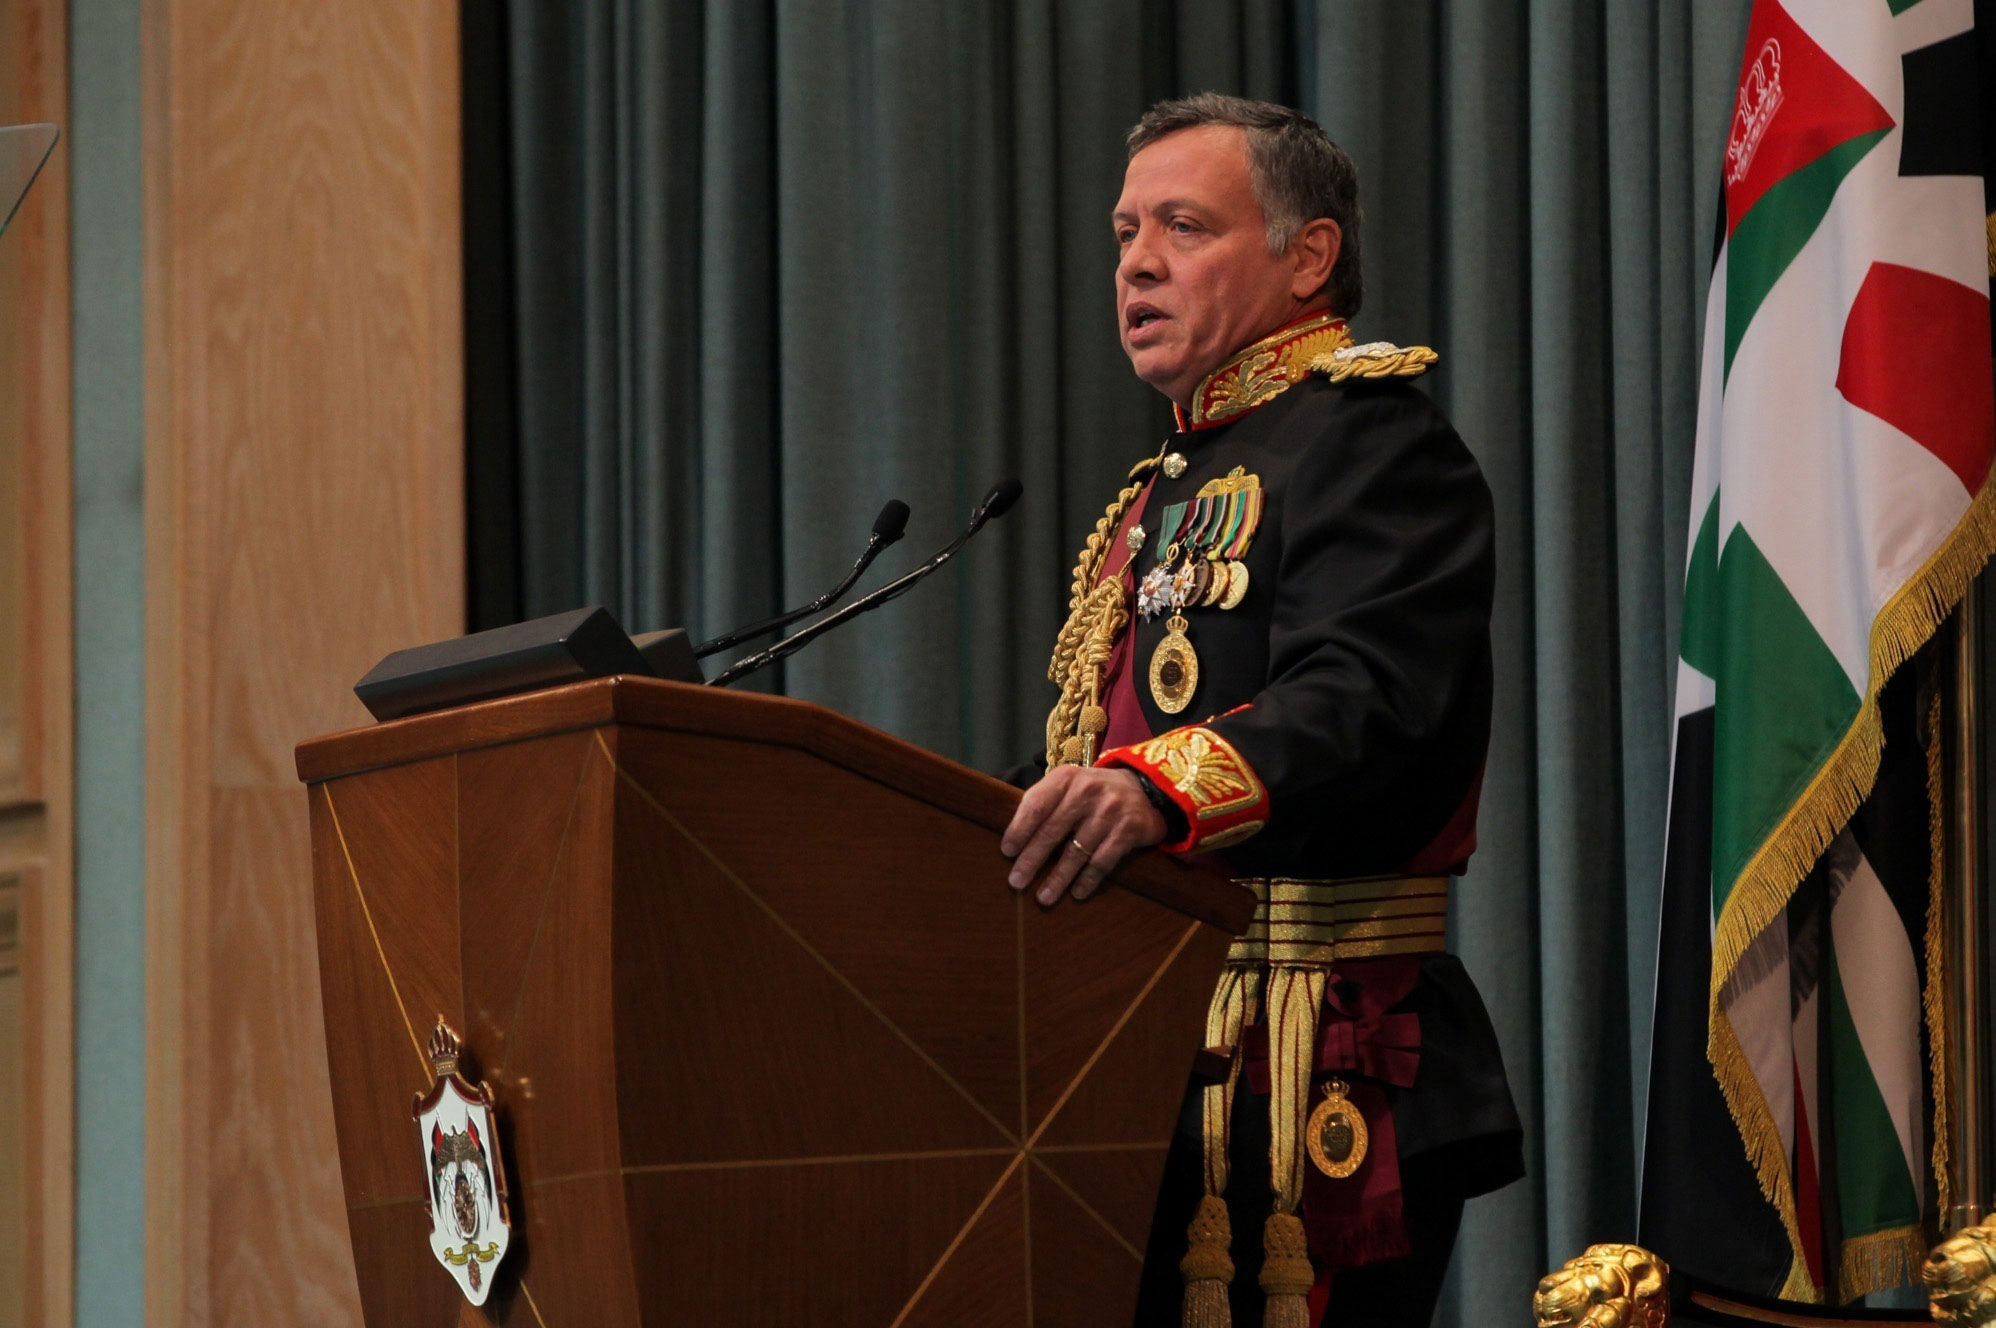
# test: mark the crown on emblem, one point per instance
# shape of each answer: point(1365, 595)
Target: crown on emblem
point(444, 1048)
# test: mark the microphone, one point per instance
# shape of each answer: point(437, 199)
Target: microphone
point(997, 501)
point(887, 529)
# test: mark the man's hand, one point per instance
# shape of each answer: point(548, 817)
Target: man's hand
point(1077, 825)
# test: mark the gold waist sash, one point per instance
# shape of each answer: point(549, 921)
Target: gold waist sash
point(1323, 922)
point(1281, 964)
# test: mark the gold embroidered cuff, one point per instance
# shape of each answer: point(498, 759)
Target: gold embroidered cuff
point(1222, 797)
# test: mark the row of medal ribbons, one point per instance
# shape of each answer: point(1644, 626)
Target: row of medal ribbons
point(1199, 548)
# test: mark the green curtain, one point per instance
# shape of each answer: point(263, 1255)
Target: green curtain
point(738, 272)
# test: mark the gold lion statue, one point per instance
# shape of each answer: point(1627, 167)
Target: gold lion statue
point(1960, 1275)
point(1610, 1286)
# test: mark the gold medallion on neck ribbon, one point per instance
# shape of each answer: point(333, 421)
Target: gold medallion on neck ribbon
point(1336, 1135)
point(1174, 668)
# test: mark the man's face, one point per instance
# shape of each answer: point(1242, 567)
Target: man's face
point(1196, 282)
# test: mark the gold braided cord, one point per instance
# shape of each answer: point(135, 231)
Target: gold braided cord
point(1378, 359)
point(1079, 720)
point(1095, 613)
point(1295, 994)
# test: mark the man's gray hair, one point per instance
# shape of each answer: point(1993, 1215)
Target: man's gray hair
point(1298, 175)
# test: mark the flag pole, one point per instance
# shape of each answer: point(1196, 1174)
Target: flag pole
point(1965, 924)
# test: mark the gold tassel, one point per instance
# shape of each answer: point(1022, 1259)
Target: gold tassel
point(1286, 1274)
point(1208, 1266)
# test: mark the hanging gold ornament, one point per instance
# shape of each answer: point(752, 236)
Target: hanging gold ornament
point(1336, 1135)
point(1174, 668)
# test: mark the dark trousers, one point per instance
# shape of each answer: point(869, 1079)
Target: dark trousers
point(1395, 1293)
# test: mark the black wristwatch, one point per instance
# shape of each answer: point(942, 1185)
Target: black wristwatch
point(1174, 815)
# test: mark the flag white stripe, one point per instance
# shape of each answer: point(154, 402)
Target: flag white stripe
point(1881, 982)
point(1756, 999)
point(1931, 21)
point(1843, 505)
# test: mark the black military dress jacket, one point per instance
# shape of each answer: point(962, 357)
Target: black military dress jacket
point(1341, 716)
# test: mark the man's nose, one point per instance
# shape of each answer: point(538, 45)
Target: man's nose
point(1141, 260)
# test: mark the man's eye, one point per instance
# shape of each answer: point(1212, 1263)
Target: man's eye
point(1125, 235)
point(1182, 226)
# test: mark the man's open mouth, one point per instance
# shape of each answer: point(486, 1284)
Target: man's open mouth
point(1141, 315)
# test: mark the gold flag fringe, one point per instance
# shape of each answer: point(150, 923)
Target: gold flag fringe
point(1767, 882)
point(1763, 1146)
point(1882, 1259)
point(1933, 1001)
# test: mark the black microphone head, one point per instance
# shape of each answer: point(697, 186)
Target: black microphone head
point(891, 523)
point(999, 500)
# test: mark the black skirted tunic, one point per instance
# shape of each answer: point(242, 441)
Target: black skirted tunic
point(1344, 702)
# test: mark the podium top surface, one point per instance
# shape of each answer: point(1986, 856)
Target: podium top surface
point(752, 717)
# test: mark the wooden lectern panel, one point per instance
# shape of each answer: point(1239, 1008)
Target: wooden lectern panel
point(772, 1040)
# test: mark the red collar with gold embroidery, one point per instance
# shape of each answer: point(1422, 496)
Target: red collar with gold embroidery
point(1257, 375)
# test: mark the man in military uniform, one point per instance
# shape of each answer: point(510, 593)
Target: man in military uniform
point(1277, 659)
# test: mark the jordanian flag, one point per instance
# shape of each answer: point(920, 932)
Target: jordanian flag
point(1839, 508)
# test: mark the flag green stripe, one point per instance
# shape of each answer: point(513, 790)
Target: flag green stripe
point(1768, 237)
point(1783, 702)
point(1701, 639)
point(1874, 1191)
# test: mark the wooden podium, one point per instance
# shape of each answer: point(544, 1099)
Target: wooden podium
point(772, 1041)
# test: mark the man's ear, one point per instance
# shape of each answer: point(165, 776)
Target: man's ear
point(1315, 253)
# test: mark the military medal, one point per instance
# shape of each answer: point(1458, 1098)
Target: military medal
point(1336, 1135)
point(1174, 668)
point(1237, 582)
point(1239, 498)
point(1217, 591)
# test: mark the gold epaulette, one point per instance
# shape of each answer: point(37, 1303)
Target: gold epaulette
point(1375, 359)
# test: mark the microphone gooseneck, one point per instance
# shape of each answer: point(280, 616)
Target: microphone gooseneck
point(997, 501)
point(888, 528)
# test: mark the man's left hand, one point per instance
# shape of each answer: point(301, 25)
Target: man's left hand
point(1077, 825)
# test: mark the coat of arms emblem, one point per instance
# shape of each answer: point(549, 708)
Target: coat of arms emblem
point(470, 1225)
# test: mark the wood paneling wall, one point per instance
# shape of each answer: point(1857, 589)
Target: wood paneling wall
point(304, 480)
point(37, 982)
